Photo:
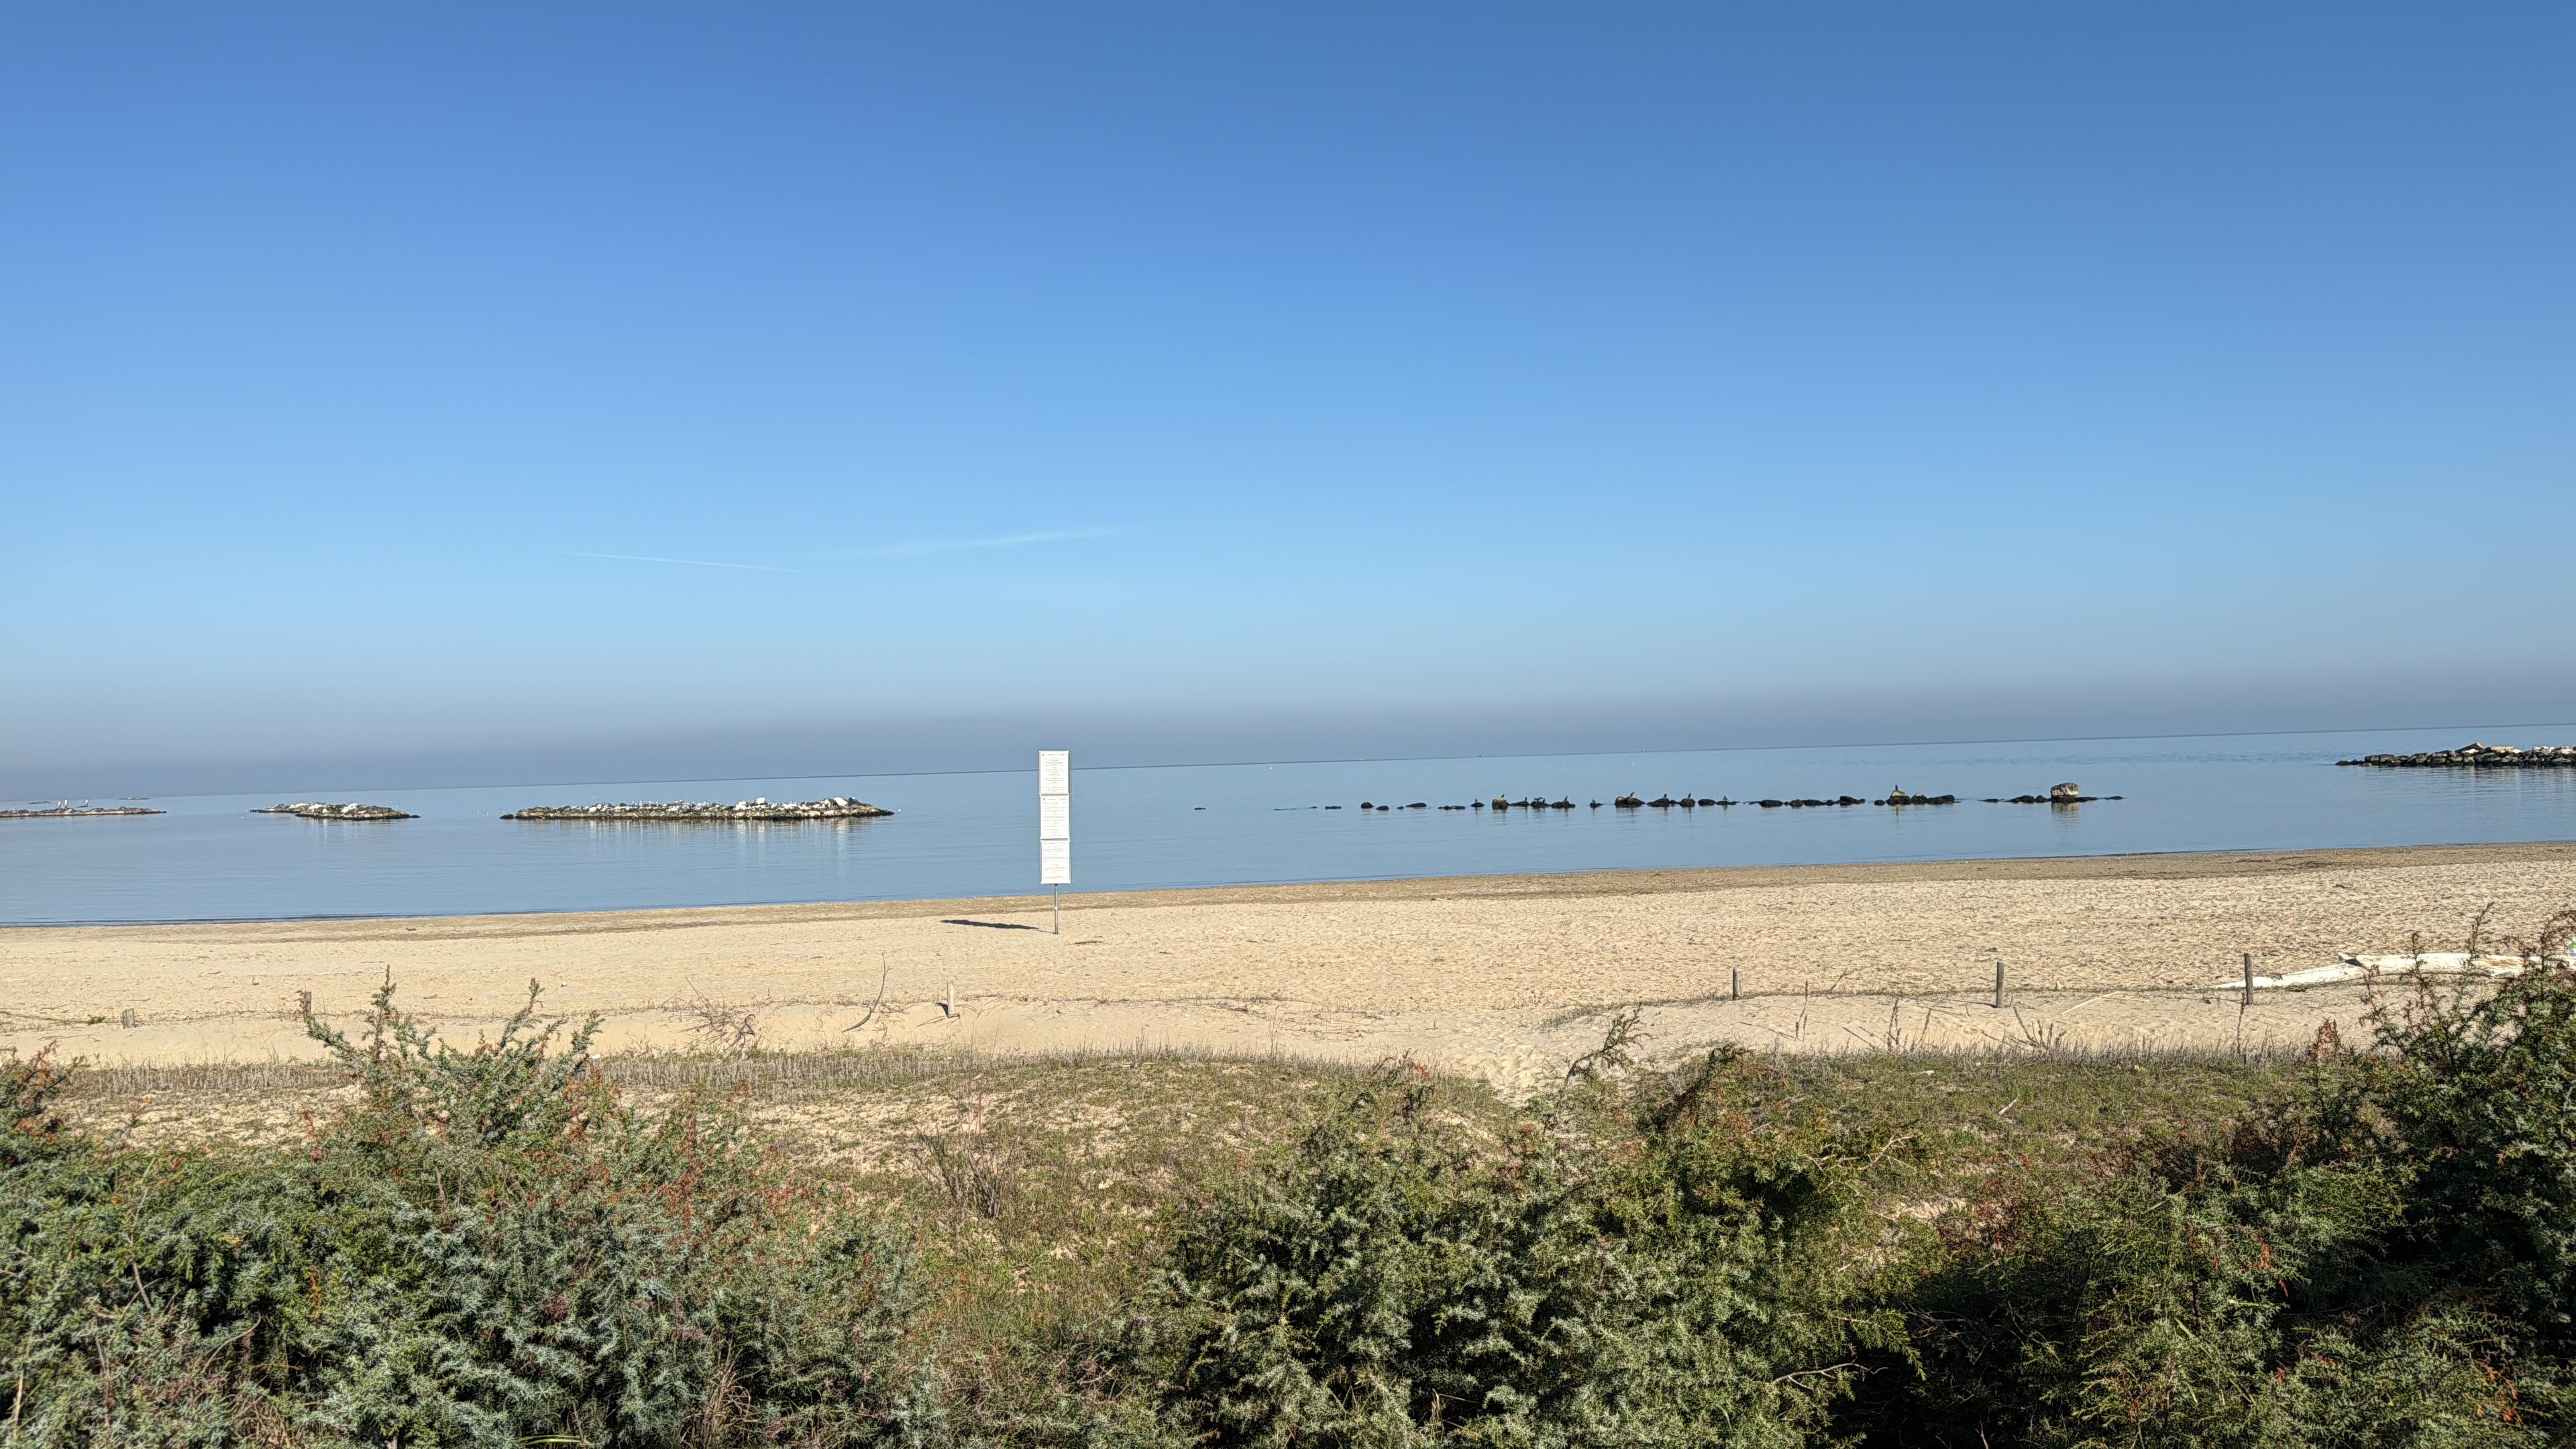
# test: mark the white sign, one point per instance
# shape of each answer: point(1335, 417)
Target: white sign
point(1055, 817)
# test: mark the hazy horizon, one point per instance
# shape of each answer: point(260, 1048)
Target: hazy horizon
point(1006, 742)
point(489, 393)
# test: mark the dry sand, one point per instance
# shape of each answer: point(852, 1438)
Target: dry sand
point(1505, 977)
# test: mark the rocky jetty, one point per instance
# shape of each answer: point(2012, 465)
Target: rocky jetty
point(2065, 792)
point(66, 810)
point(2478, 757)
point(837, 807)
point(318, 810)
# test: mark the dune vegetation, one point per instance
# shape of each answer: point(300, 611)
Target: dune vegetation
point(521, 1243)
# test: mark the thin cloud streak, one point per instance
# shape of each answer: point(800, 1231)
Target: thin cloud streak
point(695, 563)
point(923, 548)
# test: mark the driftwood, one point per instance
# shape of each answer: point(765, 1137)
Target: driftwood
point(874, 1005)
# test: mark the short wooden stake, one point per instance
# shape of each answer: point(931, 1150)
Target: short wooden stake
point(1999, 986)
point(2249, 978)
point(1734, 984)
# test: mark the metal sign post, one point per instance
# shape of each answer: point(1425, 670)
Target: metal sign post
point(1055, 825)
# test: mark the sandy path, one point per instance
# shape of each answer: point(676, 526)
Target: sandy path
point(1499, 975)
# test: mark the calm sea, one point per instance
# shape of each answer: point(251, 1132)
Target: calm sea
point(1136, 828)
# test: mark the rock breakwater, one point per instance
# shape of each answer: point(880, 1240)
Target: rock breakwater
point(2477, 757)
point(65, 810)
point(837, 807)
point(2066, 793)
point(321, 810)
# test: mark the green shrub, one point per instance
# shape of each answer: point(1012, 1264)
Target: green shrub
point(2476, 1093)
point(1659, 1264)
point(489, 1248)
point(2201, 1295)
point(2385, 1261)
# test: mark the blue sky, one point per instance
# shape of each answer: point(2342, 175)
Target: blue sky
point(494, 381)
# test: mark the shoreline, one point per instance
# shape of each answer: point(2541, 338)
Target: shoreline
point(1503, 977)
point(1643, 880)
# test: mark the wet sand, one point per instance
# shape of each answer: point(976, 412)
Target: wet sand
point(1500, 976)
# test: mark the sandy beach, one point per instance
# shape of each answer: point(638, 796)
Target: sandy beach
point(1499, 976)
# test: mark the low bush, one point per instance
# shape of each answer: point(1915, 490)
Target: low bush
point(488, 1248)
point(1663, 1262)
point(2390, 1259)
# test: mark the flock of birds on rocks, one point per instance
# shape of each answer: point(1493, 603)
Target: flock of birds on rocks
point(837, 807)
point(319, 810)
point(66, 810)
point(2067, 793)
point(841, 807)
point(2477, 756)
